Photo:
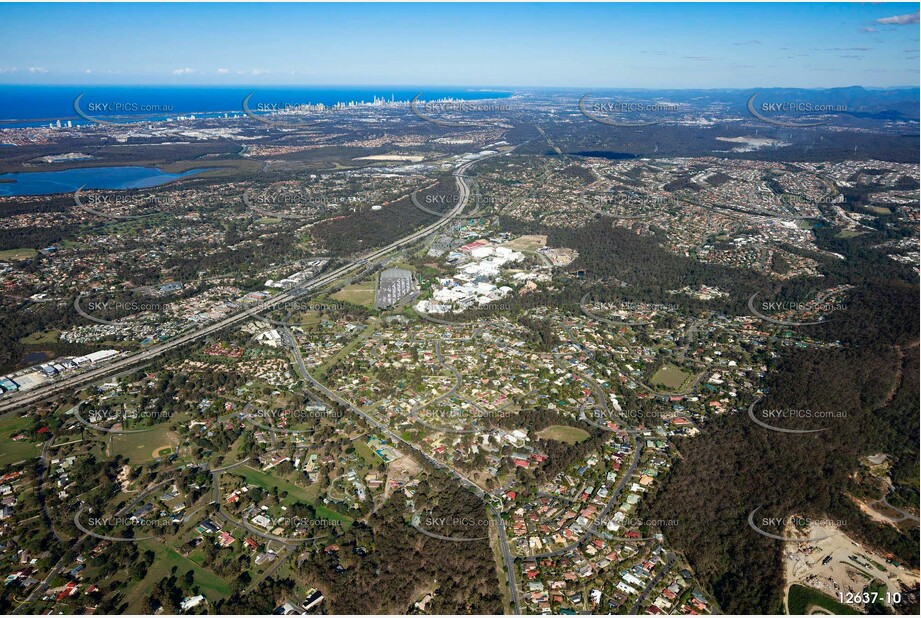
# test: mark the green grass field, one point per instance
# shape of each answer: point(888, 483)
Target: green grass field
point(364, 451)
point(670, 377)
point(307, 318)
point(39, 338)
point(11, 425)
point(296, 493)
point(564, 433)
point(361, 293)
point(801, 600)
point(209, 584)
point(347, 348)
point(848, 234)
point(12, 452)
point(17, 254)
point(142, 447)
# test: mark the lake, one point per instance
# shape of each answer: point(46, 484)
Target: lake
point(67, 181)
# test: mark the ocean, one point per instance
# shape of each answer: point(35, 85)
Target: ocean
point(23, 105)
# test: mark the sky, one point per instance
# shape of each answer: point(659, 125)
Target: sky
point(514, 45)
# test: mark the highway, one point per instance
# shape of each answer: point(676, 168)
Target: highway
point(290, 342)
point(20, 400)
point(23, 399)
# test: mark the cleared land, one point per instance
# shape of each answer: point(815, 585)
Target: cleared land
point(364, 451)
point(563, 433)
point(17, 254)
point(531, 242)
point(145, 446)
point(361, 294)
point(39, 338)
point(670, 376)
point(12, 452)
point(209, 584)
point(296, 493)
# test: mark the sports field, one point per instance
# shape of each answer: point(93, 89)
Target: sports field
point(361, 293)
point(670, 377)
point(145, 446)
point(563, 433)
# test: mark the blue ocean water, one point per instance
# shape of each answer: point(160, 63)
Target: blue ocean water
point(66, 181)
point(26, 105)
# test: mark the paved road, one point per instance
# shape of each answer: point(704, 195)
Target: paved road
point(511, 576)
point(290, 341)
point(288, 337)
point(43, 585)
point(20, 400)
point(458, 380)
point(670, 560)
point(602, 516)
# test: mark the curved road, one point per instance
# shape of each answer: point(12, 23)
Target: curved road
point(23, 399)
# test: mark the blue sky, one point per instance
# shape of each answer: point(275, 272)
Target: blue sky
point(564, 45)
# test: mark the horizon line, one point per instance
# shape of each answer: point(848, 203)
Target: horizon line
point(454, 86)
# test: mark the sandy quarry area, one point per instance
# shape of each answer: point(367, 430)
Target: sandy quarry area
point(851, 568)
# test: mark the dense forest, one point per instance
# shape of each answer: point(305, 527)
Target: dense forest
point(385, 565)
point(865, 369)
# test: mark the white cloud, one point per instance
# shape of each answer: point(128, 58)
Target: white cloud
point(223, 71)
point(900, 20)
point(183, 71)
point(38, 70)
